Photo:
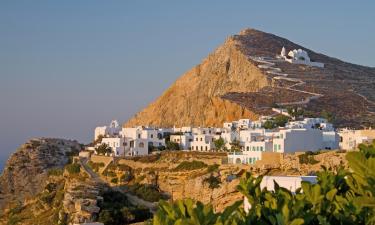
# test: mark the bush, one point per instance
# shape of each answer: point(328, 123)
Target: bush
point(73, 168)
point(109, 173)
point(193, 165)
point(172, 145)
point(114, 180)
point(95, 166)
point(146, 191)
point(116, 209)
point(55, 172)
point(213, 182)
point(307, 158)
point(126, 177)
point(212, 168)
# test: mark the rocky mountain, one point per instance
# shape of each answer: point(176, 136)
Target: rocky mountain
point(27, 169)
point(243, 78)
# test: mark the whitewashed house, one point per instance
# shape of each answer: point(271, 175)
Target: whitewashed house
point(111, 130)
point(292, 183)
point(203, 142)
point(184, 140)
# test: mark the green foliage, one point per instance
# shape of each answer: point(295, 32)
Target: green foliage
point(114, 180)
point(146, 191)
point(212, 168)
point(103, 149)
point(95, 166)
point(307, 158)
point(191, 212)
point(98, 139)
point(170, 145)
point(193, 165)
point(116, 210)
point(73, 168)
point(126, 177)
point(329, 116)
point(235, 146)
point(277, 121)
point(212, 181)
point(342, 197)
point(219, 143)
point(55, 172)
point(109, 173)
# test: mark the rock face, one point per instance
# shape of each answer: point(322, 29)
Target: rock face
point(26, 170)
point(229, 84)
point(194, 99)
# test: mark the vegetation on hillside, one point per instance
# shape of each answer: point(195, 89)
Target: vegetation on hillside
point(341, 197)
point(116, 210)
point(277, 121)
point(193, 165)
point(147, 192)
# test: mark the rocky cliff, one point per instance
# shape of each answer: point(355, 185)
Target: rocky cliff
point(231, 84)
point(26, 171)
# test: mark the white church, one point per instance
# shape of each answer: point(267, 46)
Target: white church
point(299, 56)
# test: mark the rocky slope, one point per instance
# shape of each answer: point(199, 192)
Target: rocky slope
point(229, 84)
point(26, 171)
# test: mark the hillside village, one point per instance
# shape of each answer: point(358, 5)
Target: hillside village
point(245, 141)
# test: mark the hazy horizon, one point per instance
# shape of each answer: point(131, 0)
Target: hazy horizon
point(66, 67)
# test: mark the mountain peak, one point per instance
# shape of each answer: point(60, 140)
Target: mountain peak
point(231, 84)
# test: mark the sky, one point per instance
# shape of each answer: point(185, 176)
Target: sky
point(69, 66)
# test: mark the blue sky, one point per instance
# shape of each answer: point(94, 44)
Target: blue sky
point(67, 66)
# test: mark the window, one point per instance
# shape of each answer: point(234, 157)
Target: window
point(257, 148)
point(206, 148)
point(141, 145)
point(275, 147)
point(279, 147)
point(152, 136)
point(139, 135)
point(261, 148)
point(201, 148)
point(196, 148)
point(196, 139)
point(253, 148)
point(201, 139)
point(247, 148)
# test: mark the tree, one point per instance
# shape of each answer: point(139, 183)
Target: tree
point(103, 149)
point(98, 139)
point(330, 117)
point(172, 145)
point(235, 146)
point(219, 143)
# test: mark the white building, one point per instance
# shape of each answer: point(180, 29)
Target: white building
point(184, 140)
point(111, 130)
point(203, 142)
point(292, 183)
point(116, 144)
point(310, 134)
point(299, 56)
point(350, 139)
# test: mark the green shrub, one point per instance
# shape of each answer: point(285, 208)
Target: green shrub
point(73, 168)
point(146, 191)
point(213, 168)
point(55, 172)
point(193, 165)
point(114, 180)
point(115, 209)
point(126, 177)
point(109, 173)
point(307, 158)
point(212, 181)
